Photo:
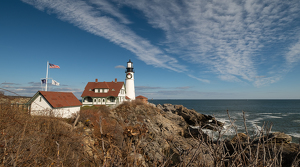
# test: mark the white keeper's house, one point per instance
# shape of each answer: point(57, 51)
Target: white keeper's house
point(110, 93)
point(103, 93)
point(58, 104)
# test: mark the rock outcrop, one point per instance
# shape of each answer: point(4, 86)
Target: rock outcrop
point(170, 135)
point(158, 133)
point(192, 117)
point(279, 137)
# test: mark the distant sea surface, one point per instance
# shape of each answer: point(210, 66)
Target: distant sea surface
point(283, 114)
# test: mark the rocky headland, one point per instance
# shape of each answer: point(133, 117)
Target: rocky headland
point(171, 135)
point(136, 134)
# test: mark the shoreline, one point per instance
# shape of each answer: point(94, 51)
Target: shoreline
point(284, 114)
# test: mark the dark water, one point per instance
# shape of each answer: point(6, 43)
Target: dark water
point(283, 114)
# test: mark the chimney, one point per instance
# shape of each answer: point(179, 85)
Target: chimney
point(96, 80)
point(115, 80)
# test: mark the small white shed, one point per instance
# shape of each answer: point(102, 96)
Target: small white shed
point(58, 104)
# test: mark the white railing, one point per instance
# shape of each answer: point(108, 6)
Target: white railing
point(99, 103)
point(87, 103)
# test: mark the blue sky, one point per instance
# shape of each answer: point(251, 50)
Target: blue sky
point(191, 49)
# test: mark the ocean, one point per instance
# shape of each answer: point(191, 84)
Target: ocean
point(284, 115)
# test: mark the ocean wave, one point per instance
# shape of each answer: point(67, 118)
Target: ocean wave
point(297, 135)
point(268, 113)
point(297, 121)
point(293, 113)
point(255, 121)
point(271, 116)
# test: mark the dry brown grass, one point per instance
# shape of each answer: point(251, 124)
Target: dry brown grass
point(38, 141)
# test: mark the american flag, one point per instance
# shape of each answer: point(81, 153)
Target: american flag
point(53, 66)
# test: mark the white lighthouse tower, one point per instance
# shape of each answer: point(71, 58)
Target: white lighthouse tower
point(130, 91)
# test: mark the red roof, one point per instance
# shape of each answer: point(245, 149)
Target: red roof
point(60, 99)
point(114, 89)
point(141, 97)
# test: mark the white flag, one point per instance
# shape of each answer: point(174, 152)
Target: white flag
point(55, 82)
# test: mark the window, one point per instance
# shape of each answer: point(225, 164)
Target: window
point(90, 89)
point(88, 99)
point(113, 90)
point(112, 99)
point(101, 90)
point(105, 90)
point(96, 90)
point(40, 99)
point(103, 100)
point(99, 100)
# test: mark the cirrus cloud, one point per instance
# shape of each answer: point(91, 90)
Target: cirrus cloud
point(234, 40)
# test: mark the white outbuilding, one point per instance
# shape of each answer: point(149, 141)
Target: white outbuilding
point(58, 104)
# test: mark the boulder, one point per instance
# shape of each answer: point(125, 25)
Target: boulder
point(241, 137)
point(192, 117)
point(279, 137)
point(195, 132)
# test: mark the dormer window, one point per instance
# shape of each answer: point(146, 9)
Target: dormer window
point(113, 90)
point(90, 89)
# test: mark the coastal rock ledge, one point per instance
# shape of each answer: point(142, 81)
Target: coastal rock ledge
point(192, 117)
point(171, 135)
point(275, 142)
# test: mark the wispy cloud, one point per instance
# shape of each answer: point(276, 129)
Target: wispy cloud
point(199, 79)
point(293, 55)
point(87, 17)
point(186, 94)
point(152, 88)
point(147, 88)
point(31, 88)
point(107, 8)
point(9, 83)
point(120, 66)
point(234, 40)
point(184, 87)
point(229, 37)
point(260, 76)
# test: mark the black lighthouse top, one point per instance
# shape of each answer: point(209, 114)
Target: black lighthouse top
point(129, 67)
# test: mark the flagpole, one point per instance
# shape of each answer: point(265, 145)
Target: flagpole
point(47, 76)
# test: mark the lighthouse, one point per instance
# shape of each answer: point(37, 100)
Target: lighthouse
point(130, 91)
